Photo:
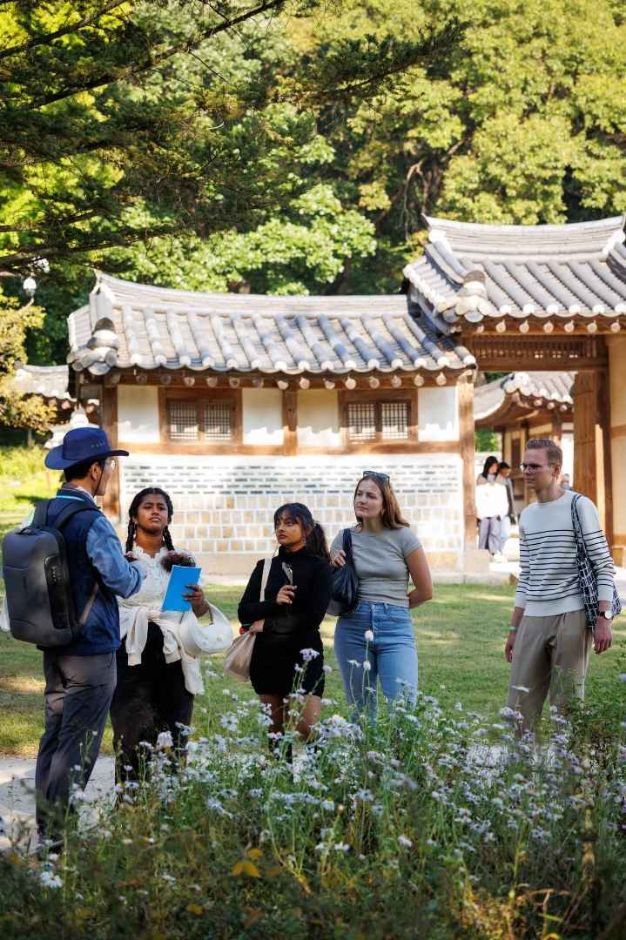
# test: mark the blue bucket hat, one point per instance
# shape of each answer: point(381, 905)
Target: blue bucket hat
point(80, 445)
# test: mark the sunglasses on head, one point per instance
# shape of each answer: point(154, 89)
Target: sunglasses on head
point(376, 475)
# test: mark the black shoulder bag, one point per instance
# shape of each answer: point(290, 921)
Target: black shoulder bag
point(344, 591)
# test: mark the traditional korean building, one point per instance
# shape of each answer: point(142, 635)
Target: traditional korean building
point(521, 405)
point(235, 403)
point(542, 298)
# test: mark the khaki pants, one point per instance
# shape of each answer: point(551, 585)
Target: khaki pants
point(551, 654)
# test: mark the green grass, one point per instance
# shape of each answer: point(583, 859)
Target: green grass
point(23, 481)
point(460, 638)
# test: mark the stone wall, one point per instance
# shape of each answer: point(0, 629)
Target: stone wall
point(224, 505)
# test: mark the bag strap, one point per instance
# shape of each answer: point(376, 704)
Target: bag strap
point(40, 518)
point(347, 546)
point(267, 564)
point(581, 548)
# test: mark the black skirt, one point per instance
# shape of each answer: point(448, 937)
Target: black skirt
point(279, 666)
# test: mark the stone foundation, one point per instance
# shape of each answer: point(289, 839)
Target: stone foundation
point(224, 506)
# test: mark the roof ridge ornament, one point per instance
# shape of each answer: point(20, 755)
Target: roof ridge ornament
point(615, 238)
point(472, 302)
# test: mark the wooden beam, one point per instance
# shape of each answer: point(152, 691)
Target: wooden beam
point(108, 404)
point(468, 453)
point(592, 444)
point(290, 422)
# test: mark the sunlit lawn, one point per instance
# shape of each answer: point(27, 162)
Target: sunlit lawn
point(460, 637)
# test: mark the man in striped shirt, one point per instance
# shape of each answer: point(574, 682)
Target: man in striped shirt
point(549, 642)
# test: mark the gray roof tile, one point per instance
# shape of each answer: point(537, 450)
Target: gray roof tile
point(51, 382)
point(475, 271)
point(536, 389)
point(130, 325)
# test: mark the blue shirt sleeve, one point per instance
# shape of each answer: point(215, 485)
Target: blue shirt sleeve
point(105, 553)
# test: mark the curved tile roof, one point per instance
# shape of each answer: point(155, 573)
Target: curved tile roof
point(129, 325)
point(50, 382)
point(535, 389)
point(474, 271)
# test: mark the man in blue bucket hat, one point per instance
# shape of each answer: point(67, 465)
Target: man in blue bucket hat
point(80, 678)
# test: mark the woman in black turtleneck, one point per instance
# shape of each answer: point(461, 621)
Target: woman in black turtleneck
point(288, 652)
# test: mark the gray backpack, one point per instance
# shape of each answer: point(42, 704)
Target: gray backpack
point(40, 602)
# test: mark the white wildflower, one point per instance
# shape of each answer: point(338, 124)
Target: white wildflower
point(50, 880)
point(405, 842)
point(164, 740)
point(369, 636)
point(367, 665)
point(309, 654)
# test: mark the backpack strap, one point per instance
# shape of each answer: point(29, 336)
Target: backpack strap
point(75, 506)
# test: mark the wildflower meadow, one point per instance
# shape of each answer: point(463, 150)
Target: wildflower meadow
point(428, 822)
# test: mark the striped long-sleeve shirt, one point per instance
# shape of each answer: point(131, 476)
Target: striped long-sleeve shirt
point(548, 581)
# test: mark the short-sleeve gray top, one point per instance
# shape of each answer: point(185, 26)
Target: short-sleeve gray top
point(380, 563)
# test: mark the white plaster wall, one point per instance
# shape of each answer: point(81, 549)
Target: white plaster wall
point(262, 415)
point(138, 414)
point(318, 418)
point(438, 414)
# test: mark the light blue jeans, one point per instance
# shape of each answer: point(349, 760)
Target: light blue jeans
point(391, 654)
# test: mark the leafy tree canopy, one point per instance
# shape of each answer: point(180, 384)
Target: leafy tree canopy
point(15, 410)
point(295, 148)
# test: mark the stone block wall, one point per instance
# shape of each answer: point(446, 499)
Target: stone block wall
point(223, 506)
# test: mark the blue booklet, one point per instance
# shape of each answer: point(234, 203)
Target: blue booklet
point(177, 586)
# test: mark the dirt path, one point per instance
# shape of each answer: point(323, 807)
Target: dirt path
point(17, 796)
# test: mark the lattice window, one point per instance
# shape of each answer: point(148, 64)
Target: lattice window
point(378, 420)
point(217, 421)
point(394, 420)
point(196, 421)
point(361, 421)
point(182, 420)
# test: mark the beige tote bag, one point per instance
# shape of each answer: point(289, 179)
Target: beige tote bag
point(239, 656)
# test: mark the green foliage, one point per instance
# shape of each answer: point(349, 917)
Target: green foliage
point(298, 151)
point(17, 411)
point(414, 826)
point(487, 441)
point(23, 481)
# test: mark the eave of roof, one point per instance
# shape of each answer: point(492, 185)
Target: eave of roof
point(535, 390)
point(471, 271)
point(135, 326)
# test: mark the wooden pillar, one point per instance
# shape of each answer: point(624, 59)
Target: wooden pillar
point(468, 453)
point(290, 422)
point(617, 388)
point(592, 444)
point(108, 409)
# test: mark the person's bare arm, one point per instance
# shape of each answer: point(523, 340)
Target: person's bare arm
point(417, 564)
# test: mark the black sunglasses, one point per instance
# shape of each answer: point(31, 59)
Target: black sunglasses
point(375, 473)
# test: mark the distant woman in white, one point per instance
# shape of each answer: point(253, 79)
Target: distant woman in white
point(492, 506)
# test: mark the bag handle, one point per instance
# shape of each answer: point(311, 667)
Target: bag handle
point(347, 546)
point(267, 564)
point(579, 538)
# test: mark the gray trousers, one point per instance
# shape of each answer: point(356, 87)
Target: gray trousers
point(489, 534)
point(78, 694)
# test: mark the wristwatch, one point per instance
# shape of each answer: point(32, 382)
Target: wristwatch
point(607, 614)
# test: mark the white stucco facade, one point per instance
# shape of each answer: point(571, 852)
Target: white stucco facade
point(438, 414)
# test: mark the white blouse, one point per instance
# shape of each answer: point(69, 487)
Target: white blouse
point(143, 607)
